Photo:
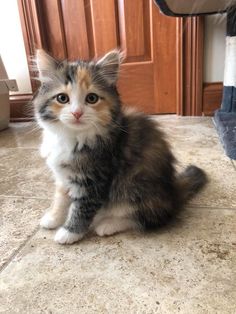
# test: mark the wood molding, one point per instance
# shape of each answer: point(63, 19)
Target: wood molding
point(212, 97)
point(179, 70)
point(190, 32)
point(20, 107)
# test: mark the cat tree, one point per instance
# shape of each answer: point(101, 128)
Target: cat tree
point(225, 117)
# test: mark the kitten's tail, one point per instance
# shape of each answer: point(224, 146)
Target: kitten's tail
point(190, 182)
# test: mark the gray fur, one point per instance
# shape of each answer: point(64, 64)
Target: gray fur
point(132, 164)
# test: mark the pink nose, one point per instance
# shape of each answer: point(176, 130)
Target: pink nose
point(77, 114)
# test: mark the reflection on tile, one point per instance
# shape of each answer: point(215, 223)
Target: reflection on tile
point(24, 173)
point(25, 134)
point(192, 132)
point(189, 268)
point(18, 220)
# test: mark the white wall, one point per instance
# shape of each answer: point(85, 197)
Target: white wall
point(12, 47)
point(214, 47)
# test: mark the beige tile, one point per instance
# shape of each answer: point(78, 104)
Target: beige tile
point(220, 190)
point(24, 173)
point(24, 134)
point(19, 218)
point(195, 141)
point(189, 268)
point(196, 132)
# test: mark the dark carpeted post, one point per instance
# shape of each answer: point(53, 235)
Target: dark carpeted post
point(225, 117)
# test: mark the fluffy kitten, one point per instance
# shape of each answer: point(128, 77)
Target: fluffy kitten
point(113, 169)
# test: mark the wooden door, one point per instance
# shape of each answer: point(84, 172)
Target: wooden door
point(87, 29)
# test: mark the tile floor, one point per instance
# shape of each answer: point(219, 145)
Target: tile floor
point(189, 267)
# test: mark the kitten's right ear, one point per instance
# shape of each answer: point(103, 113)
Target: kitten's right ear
point(45, 63)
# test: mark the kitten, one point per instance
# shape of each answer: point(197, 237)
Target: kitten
point(113, 168)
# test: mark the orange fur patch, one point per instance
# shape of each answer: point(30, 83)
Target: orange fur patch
point(84, 78)
point(103, 111)
point(56, 108)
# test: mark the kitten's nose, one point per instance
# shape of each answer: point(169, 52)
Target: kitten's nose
point(77, 114)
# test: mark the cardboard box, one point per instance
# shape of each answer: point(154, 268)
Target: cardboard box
point(6, 86)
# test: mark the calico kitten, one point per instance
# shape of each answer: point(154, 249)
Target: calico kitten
point(113, 168)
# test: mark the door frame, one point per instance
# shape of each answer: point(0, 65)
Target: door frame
point(190, 34)
point(190, 54)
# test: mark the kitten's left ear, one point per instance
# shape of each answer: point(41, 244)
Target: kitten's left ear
point(110, 65)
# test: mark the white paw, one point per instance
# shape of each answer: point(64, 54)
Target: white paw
point(105, 229)
point(49, 222)
point(63, 236)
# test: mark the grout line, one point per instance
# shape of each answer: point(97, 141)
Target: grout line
point(13, 255)
point(22, 147)
point(26, 197)
point(210, 207)
point(23, 245)
point(192, 205)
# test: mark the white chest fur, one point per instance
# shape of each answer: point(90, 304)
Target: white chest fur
point(59, 143)
point(58, 150)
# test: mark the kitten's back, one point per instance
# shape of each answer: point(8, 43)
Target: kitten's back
point(149, 179)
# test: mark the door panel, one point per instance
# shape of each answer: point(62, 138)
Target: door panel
point(75, 30)
point(134, 26)
point(52, 28)
point(136, 86)
point(104, 23)
point(86, 29)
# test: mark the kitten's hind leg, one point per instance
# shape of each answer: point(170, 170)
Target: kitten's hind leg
point(114, 219)
point(56, 216)
point(112, 225)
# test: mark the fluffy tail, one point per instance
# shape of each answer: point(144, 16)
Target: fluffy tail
point(190, 182)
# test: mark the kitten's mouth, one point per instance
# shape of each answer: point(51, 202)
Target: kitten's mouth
point(77, 121)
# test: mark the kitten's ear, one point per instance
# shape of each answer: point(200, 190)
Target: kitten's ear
point(110, 65)
point(45, 63)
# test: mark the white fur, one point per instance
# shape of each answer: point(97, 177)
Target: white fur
point(57, 214)
point(77, 192)
point(113, 225)
point(57, 147)
point(114, 219)
point(114, 211)
point(59, 142)
point(63, 236)
point(49, 221)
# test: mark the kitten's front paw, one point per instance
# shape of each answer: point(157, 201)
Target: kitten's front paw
point(64, 236)
point(48, 221)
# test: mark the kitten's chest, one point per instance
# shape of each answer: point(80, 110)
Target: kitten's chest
point(60, 154)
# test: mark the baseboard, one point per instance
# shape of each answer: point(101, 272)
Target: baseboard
point(212, 97)
point(21, 108)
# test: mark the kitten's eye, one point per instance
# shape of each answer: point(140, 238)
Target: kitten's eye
point(63, 98)
point(92, 98)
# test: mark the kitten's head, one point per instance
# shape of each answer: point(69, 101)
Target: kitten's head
point(77, 95)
